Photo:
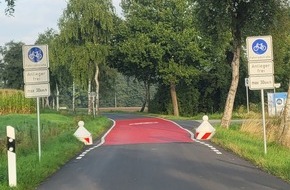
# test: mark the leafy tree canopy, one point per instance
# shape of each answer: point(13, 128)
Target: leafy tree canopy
point(85, 30)
point(11, 65)
point(10, 4)
point(162, 42)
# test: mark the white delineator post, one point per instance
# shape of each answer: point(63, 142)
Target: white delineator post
point(205, 131)
point(11, 156)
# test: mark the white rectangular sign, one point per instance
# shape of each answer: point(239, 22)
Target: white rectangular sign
point(261, 82)
point(259, 48)
point(246, 82)
point(37, 90)
point(35, 56)
point(261, 68)
point(36, 76)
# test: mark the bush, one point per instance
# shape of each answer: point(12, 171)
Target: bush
point(253, 125)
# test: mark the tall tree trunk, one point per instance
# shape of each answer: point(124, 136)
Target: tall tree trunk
point(53, 103)
point(57, 97)
point(285, 124)
point(47, 102)
point(42, 102)
point(115, 100)
point(89, 99)
point(287, 107)
point(97, 100)
point(174, 99)
point(74, 97)
point(227, 116)
point(147, 96)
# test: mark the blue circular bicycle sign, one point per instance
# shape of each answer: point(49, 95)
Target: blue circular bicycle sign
point(35, 54)
point(259, 46)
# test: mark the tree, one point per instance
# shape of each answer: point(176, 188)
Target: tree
point(85, 28)
point(281, 50)
point(233, 21)
point(164, 40)
point(134, 55)
point(11, 65)
point(285, 124)
point(10, 4)
point(281, 41)
point(48, 37)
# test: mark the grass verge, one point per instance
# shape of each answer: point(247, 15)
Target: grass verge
point(251, 147)
point(58, 145)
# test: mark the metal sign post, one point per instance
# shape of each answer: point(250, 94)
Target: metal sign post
point(36, 77)
point(261, 69)
point(264, 121)
point(38, 129)
point(247, 93)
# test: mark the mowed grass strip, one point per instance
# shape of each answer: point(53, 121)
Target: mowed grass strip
point(251, 147)
point(58, 145)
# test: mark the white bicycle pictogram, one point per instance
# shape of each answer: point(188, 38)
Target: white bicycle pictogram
point(259, 46)
point(35, 55)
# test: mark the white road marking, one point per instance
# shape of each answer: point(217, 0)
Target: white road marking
point(98, 145)
point(192, 136)
point(143, 123)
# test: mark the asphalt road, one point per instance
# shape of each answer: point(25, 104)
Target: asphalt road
point(163, 166)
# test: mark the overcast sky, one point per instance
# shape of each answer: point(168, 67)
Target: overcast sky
point(31, 18)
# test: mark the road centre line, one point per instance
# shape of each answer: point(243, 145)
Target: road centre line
point(143, 123)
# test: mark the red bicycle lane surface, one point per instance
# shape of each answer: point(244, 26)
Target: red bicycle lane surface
point(146, 130)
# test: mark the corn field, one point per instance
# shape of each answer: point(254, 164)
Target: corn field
point(13, 101)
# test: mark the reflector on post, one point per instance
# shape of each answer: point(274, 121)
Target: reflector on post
point(11, 153)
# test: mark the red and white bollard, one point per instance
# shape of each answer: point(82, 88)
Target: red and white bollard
point(205, 131)
point(83, 134)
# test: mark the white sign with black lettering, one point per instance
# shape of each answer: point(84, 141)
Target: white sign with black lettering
point(261, 68)
point(37, 90)
point(36, 76)
point(261, 82)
